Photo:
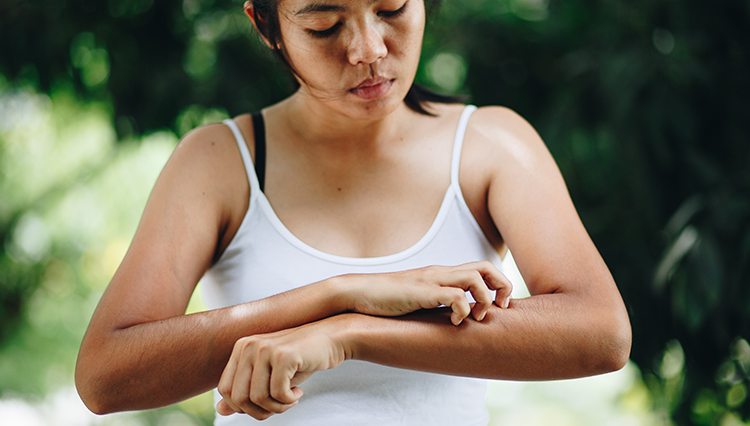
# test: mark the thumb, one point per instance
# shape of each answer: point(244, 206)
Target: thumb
point(223, 408)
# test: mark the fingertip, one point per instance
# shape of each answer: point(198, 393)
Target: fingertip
point(479, 312)
point(298, 392)
point(506, 302)
point(223, 408)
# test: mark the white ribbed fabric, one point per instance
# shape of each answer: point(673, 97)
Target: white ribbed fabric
point(264, 259)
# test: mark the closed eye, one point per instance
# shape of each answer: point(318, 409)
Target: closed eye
point(383, 13)
point(325, 33)
point(393, 13)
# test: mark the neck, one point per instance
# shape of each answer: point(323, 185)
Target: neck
point(313, 122)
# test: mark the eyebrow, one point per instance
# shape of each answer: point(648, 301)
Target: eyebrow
point(322, 8)
point(319, 8)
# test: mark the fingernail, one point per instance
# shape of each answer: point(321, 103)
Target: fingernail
point(459, 322)
point(484, 314)
point(506, 303)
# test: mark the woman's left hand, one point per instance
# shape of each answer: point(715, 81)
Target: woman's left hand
point(264, 370)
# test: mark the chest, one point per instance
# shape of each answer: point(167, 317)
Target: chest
point(360, 207)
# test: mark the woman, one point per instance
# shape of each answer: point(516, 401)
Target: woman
point(318, 225)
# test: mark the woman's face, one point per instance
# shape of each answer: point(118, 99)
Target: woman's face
point(357, 57)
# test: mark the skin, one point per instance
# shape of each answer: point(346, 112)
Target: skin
point(330, 153)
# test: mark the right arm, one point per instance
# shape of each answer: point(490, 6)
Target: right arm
point(140, 350)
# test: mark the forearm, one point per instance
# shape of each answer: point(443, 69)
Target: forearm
point(540, 338)
point(156, 363)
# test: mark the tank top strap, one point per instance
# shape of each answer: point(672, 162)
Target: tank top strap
point(246, 159)
point(458, 143)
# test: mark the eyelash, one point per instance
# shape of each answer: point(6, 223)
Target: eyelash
point(394, 13)
point(385, 14)
point(325, 33)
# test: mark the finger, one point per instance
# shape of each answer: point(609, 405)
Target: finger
point(495, 280)
point(240, 388)
point(281, 385)
point(455, 298)
point(224, 409)
point(299, 378)
point(260, 392)
point(502, 296)
point(226, 382)
point(481, 293)
point(470, 280)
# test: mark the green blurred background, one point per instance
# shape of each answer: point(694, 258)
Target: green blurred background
point(645, 105)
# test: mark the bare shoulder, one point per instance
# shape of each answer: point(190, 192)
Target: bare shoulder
point(207, 145)
point(504, 141)
point(209, 165)
point(504, 129)
point(207, 159)
point(203, 185)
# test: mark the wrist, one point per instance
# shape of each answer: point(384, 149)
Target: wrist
point(339, 292)
point(346, 331)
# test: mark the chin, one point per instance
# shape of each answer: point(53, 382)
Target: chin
point(373, 109)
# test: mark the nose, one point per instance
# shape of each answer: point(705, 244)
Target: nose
point(367, 45)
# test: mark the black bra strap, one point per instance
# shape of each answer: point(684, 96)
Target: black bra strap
point(260, 148)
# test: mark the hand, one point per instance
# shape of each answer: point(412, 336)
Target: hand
point(400, 293)
point(264, 370)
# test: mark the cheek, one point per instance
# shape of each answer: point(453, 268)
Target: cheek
point(310, 61)
point(409, 45)
point(411, 33)
point(319, 69)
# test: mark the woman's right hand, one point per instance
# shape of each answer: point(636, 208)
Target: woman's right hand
point(400, 293)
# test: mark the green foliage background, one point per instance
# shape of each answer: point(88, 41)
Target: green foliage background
point(644, 105)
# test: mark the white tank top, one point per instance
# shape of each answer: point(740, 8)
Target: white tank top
point(264, 259)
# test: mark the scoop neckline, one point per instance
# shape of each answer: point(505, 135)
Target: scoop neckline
point(445, 205)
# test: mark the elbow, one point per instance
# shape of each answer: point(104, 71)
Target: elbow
point(89, 383)
point(93, 404)
point(623, 350)
point(91, 397)
point(611, 349)
point(617, 352)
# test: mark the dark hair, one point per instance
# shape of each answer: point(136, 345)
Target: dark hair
point(266, 16)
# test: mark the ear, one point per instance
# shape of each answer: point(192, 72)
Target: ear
point(249, 11)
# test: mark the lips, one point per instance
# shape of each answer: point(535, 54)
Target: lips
point(373, 88)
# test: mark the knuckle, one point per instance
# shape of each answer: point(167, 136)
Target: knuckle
point(281, 353)
point(486, 264)
point(225, 390)
point(264, 348)
point(504, 285)
point(278, 394)
point(242, 343)
point(457, 295)
point(258, 397)
point(278, 357)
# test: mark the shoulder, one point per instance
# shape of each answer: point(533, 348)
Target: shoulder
point(207, 155)
point(500, 127)
point(504, 140)
point(503, 128)
point(205, 167)
point(209, 142)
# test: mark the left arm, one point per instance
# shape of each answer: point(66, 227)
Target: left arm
point(574, 324)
